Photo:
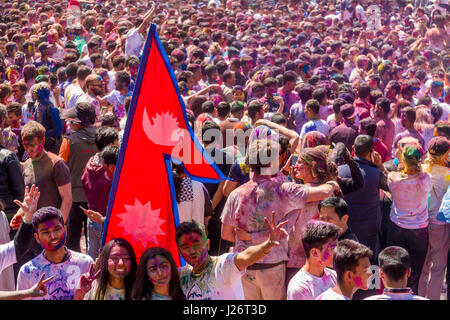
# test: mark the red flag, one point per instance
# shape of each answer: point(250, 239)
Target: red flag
point(142, 206)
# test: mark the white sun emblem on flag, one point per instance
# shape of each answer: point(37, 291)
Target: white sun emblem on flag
point(165, 129)
point(141, 222)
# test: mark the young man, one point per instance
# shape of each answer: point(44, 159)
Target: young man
point(408, 118)
point(56, 260)
point(76, 150)
point(395, 270)
point(227, 87)
point(212, 278)
point(46, 170)
point(320, 94)
point(335, 211)
point(243, 225)
point(93, 48)
point(135, 37)
point(287, 90)
point(351, 263)
point(94, 91)
point(348, 130)
point(368, 126)
point(255, 111)
point(271, 98)
point(75, 89)
point(364, 204)
point(12, 251)
point(315, 123)
point(11, 177)
point(49, 173)
point(319, 240)
point(117, 97)
point(97, 180)
point(385, 126)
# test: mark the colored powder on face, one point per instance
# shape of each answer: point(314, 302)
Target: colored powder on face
point(325, 255)
point(62, 240)
point(358, 281)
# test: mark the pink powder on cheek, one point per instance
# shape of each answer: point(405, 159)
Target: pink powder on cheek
point(358, 281)
point(39, 149)
point(325, 255)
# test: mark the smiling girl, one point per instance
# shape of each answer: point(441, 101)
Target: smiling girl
point(157, 277)
point(115, 269)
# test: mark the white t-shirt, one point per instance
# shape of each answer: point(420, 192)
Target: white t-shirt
point(67, 275)
point(315, 125)
point(112, 80)
point(401, 294)
point(71, 95)
point(134, 43)
point(110, 293)
point(331, 117)
point(27, 115)
point(220, 281)
point(192, 201)
point(305, 286)
point(86, 59)
point(7, 255)
point(359, 12)
point(331, 295)
point(118, 101)
point(6, 270)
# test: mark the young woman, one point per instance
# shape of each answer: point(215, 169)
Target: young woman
point(157, 277)
point(193, 199)
point(408, 227)
point(433, 272)
point(424, 123)
point(314, 168)
point(115, 273)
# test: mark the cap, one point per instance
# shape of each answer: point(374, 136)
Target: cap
point(82, 113)
point(347, 96)
point(348, 111)
point(438, 146)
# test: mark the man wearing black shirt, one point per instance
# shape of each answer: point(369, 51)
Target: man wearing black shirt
point(335, 211)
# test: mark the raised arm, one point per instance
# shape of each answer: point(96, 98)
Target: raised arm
point(323, 191)
point(356, 181)
point(290, 134)
point(38, 290)
point(147, 19)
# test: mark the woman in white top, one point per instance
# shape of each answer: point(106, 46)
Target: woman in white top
point(115, 269)
point(433, 272)
point(193, 199)
point(409, 212)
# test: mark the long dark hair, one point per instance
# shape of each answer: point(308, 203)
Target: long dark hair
point(104, 276)
point(177, 170)
point(143, 285)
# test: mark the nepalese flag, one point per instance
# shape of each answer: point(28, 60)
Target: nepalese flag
point(142, 204)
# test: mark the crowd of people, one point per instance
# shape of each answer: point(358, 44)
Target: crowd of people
point(350, 98)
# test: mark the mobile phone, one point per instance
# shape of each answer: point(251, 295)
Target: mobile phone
point(294, 160)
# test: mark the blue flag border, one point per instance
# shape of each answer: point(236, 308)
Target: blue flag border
point(152, 36)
